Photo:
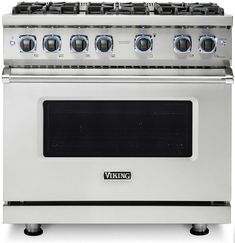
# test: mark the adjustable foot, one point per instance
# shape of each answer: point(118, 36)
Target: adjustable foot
point(199, 229)
point(33, 229)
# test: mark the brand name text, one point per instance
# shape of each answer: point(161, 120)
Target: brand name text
point(117, 175)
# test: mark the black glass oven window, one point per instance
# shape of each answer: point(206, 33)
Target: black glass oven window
point(117, 128)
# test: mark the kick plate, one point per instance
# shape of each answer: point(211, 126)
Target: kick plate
point(122, 214)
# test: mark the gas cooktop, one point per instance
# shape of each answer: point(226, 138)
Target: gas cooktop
point(118, 8)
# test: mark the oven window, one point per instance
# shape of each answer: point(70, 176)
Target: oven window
point(117, 129)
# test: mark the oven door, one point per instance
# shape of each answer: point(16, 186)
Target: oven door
point(159, 137)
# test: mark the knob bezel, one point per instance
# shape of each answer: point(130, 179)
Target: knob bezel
point(79, 37)
point(179, 37)
point(206, 37)
point(107, 37)
point(142, 36)
point(56, 37)
point(31, 37)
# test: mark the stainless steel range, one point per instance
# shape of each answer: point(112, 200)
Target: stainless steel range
point(117, 113)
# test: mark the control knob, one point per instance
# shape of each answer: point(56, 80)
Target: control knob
point(104, 43)
point(182, 43)
point(143, 43)
point(207, 44)
point(79, 43)
point(27, 43)
point(52, 43)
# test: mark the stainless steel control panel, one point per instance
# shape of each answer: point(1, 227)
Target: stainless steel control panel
point(117, 46)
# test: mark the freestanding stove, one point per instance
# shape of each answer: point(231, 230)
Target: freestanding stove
point(117, 113)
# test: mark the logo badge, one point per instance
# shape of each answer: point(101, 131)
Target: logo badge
point(117, 175)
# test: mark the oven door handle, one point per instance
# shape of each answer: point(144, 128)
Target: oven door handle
point(9, 77)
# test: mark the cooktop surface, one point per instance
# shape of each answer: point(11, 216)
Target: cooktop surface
point(118, 8)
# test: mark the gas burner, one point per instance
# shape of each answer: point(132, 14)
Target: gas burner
point(63, 8)
point(134, 8)
point(46, 8)
point(29, 8)
point(187, 9)
point(102, 8)
point(170, 8)
point(205, 9)
point(118, 8)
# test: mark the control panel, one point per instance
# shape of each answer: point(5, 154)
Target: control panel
point(104, 43)
point(118, 46)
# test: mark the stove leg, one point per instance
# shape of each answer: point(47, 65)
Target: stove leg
point(199, 229)
point(33, 229)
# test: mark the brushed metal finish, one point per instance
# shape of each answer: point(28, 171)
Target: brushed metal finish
point(116, 214)
point(205, 176)
point(106, 20)
point(82, 178)
point(22, 75)
point(123, 53)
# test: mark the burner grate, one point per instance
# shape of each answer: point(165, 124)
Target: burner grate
point(29, 8)
point(133, 8)
point(63, 8)
point(46, 8)
point(116, 8)
point(205, 9)
point(187, 9)
point(102, 8)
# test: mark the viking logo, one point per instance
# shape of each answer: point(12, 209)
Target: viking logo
point(117, 175)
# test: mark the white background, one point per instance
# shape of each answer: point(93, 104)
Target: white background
point(114, 233)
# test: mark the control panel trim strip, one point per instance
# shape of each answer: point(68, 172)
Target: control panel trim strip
point(50, 19)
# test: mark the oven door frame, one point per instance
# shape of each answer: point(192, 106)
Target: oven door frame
point(29, 176)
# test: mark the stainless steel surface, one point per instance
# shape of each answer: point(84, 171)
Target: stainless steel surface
point(106, 20)
point(41, 75)
point(197, 189)
point(211, 146)
point(123, 52)
point(116, 214)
